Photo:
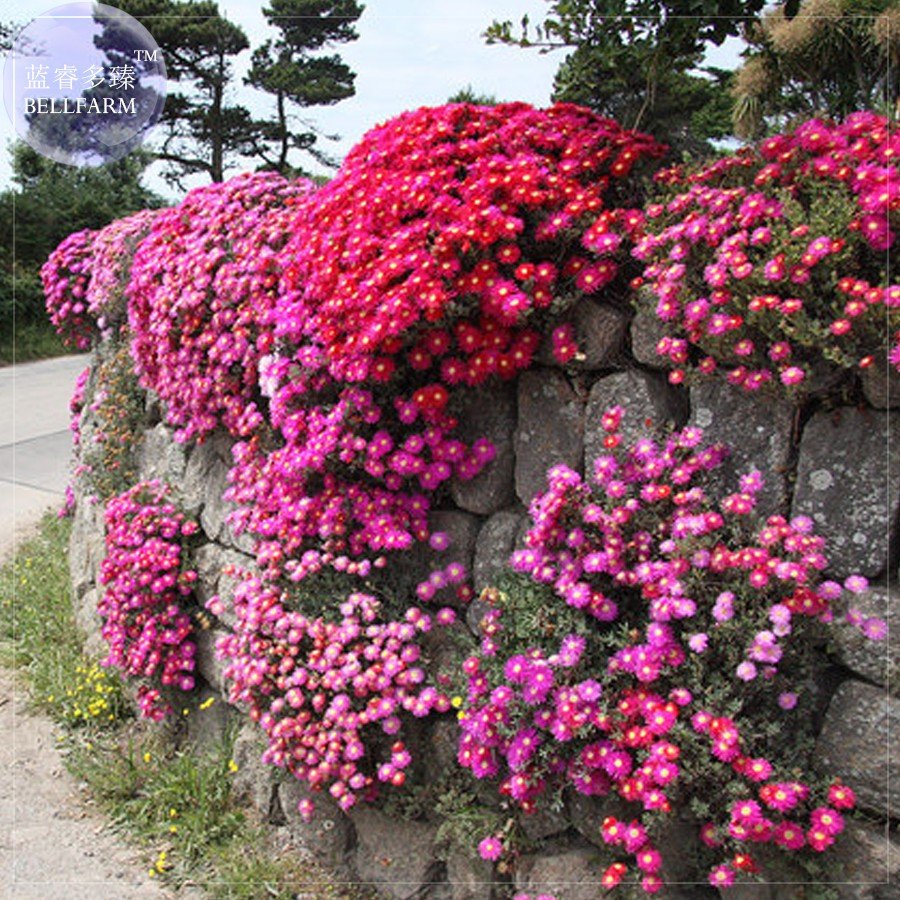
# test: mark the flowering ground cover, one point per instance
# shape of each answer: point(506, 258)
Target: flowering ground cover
point(772, 265)
point(648, 640)
point(672, 629)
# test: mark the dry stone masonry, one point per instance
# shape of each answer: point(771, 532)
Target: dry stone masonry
point(833, 465)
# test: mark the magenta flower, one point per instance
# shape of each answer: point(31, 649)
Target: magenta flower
point(490, 848)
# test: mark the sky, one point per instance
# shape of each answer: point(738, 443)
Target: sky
point(409, 53)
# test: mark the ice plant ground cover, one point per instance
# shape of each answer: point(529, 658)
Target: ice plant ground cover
point(772, 265)
point(658, 638)
point(148, 582)
point(336, 333)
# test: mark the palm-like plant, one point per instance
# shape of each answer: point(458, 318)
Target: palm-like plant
point(833, 57)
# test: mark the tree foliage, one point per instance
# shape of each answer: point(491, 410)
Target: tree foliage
point(47, 202)
point(468, 94)
point(292, 71)
point(205, 127)
point(834, 57)
point(202, 127)
point(639, 61)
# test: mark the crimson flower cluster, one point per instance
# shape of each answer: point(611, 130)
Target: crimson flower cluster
point(417, 274)
point(65, 277)
point(454, 212)
point(148, 587)
point(771, 265)
point(200, 284)
point(670, 609)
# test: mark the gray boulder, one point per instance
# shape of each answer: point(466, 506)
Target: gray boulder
point(855, 744)
point(395, 856)
point(850, 485)
point(881, 384)
point(646, 331)
point(328, 838)
point(869, 859)
point(644, 396)
point(496, 542)
point(877, 661)
point(489, 412)
point(550, 429)
point(573, 873)
point(758, 434)
point(469, 878)
point(158, 456)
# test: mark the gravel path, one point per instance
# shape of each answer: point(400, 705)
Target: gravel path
point(51, 846)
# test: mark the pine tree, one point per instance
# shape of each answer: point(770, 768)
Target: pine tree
point(203, 130)
point(295, 71)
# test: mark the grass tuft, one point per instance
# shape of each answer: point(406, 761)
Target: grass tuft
point(177, 804)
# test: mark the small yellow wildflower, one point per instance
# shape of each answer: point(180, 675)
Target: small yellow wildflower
point(232, 766)
point(148, 756)
point(206, 704)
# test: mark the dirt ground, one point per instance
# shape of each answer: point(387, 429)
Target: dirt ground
point(52, 845)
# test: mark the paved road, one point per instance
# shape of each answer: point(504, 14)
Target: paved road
point(35, 442)
point(51, 846)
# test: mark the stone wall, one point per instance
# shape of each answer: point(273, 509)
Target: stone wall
point(835, 465)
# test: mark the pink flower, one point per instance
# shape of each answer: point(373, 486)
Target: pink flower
point(698, 642)
point(746, 671)
point(490, 848)
point(722, 876)
point(792, 375)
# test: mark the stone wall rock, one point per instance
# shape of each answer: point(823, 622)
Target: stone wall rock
point(218, 568)
point(469, 878)
point(489, 412)
point(877, 661)
point(87, 545)
point(496, 542)
point(573, 873)
point(328, 838)
point(89, 622)
point(600, 330)
point(395, 855)
point(208, 664)
point(881, 384)
point(849, 484)
point(255, 782)
point(645, 332)
point(644, 396)
point(207, 464)
point(758, 433)
point(550, 429)
point(868, 859)
point(855, 744)
point(159, 457)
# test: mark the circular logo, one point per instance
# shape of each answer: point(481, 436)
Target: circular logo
point(84, 84)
